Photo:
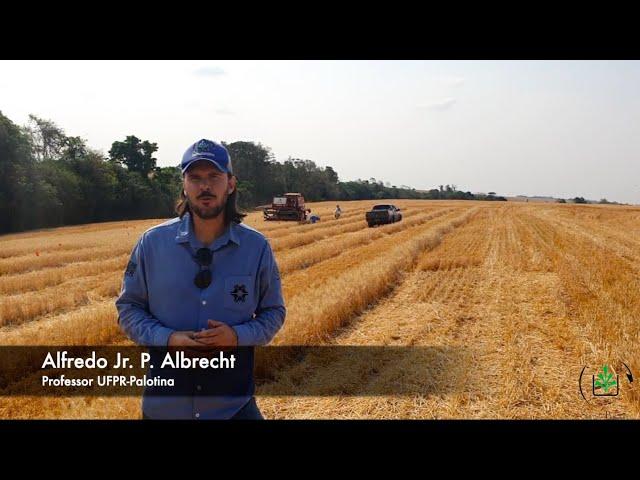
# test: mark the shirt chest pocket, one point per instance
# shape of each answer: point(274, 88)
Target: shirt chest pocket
point(238, 293)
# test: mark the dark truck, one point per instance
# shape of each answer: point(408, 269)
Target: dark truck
point(381, 214)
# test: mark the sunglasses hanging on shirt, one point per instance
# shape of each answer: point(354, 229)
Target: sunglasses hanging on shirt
point(204, 257)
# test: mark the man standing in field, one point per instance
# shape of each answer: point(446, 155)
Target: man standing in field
point(202, 280)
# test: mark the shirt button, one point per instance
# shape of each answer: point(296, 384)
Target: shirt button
point(197, 415)
point(204, 302)
point(199, 387)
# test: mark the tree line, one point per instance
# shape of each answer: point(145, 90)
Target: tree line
point(49, 179)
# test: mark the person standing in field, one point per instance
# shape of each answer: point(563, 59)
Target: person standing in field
point(202, 280)
point(337, 213)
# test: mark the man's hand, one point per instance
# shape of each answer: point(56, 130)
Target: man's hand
point(217, 335)
point(184, 341)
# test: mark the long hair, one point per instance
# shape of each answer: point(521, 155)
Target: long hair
point(231, 212)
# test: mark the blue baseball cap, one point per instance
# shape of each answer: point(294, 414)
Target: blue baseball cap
point(207, 150)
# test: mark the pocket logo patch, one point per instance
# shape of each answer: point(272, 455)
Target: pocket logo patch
point(239, 293)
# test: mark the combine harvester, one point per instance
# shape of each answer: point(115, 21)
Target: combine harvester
point(288, 207)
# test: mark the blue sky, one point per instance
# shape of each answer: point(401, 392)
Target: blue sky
point(561, 128)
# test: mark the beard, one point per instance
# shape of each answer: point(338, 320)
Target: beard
point(207, 213)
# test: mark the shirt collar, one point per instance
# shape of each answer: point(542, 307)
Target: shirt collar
point(185, 234)
point(184, 229)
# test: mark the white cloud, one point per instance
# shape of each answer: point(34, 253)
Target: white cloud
point(440, 105)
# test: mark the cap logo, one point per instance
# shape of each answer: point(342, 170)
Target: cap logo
point(204, 146)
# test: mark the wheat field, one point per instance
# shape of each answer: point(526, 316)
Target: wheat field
point(500, 305)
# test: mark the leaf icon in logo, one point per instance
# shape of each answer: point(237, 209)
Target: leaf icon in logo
point(605, 379)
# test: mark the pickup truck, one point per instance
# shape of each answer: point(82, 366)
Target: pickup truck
point(382, 214)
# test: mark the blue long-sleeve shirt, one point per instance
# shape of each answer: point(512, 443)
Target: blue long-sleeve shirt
point(159, 297)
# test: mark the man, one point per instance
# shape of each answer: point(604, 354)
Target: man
point(202, 280)
point(338, 212)
point(313, 218)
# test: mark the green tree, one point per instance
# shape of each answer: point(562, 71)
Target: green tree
point(135, 154)
point(253, 164)
point(74, 148)
point(47, 139)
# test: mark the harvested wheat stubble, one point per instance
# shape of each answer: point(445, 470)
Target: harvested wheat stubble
point(29, 263)
point(297, 240)
point(324, 249)
point(301, 281)
point(69, 238)
point(503, 343)
point(29, 306)
point(92, 324)
point(48, 277)
point(521, 296)
point(322, 310)
point(310, 227)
